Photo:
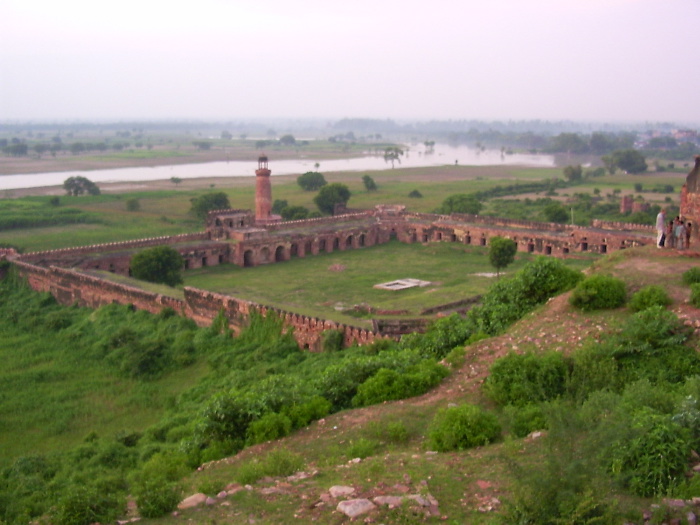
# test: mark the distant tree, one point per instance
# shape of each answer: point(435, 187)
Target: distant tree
point(295, 213)
point(78, 185)
point(316, 166)
point(55, 201)
point(162, 264)
point(629, 160)
point(287, 140)
point(311, 181)
point(573, 173)
point(175, 180)
point(260, 144)
point(133, 205)
point(569, 143)
point(601, 143)
point(369, 183)
point(663, 143)
point(77, 148)
point(226, 135)
point(555, 212)
point(209, 201)
point(203, 145)
point(609, 163)
point(415, 194)
point(461, 203)
point(40, 148)
point(278, 206)
point(330, 195)
point(393, 154)
point(429, 146)
point(501, 252)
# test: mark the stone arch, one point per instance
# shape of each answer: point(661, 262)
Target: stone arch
point(308, 248)
point(348, 241)
point(336, 243)
point(438, 236)
point(294, 250)
point(322, 245)
point(279, 254)
point(361, 240)
point(265, 255)
point(248, 258)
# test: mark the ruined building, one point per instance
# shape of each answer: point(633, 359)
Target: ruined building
point(246, 239)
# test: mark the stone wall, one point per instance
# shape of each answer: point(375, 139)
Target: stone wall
point(71, 287)
point(690, 201)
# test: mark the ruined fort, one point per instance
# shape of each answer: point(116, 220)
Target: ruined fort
point(246, 238)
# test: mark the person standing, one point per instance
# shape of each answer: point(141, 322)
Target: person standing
point(679, 234)
point(660, 228)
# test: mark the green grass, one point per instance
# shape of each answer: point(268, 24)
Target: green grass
point(324, 285)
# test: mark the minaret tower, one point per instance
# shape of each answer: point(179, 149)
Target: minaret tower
point(263, 192)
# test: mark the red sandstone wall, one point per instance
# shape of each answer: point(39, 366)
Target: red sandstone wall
point(70, 287)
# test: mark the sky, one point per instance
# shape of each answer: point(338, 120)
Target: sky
point(585, 60)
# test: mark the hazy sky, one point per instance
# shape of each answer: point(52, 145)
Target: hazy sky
point(613, 60)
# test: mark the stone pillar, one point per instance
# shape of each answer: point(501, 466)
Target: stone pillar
point(263, 192)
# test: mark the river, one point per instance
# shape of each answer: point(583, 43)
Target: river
point(416, 156)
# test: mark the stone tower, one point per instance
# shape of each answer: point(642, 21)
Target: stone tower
point(690, 202)
point(263, 192)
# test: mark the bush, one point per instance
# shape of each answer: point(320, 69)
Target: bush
point(391, 385)
point(462, 427)
point(695, 295)
point(692, 276)
point(599, 292)
point(525, 419)
point(133, 205)
point(303, 414)
point(652, 295)
point(269, 427)
point(654, 457)
point(528, 378)
point(415, 194)
point(362, 448)
point(85, 505)
point(279, 462)
point(156, 498)
point(332, 340)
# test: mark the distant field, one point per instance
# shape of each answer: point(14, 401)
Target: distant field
point(329, 285)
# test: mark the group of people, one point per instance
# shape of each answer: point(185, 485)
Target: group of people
point(674, 234)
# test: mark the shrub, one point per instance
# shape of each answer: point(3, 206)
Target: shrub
point(654, 457)
point(695, 295)
point(692, 276)
point(525, 419)
point(521, 379)
point(391, 385)
point(156, 498)
point(83, 505)
point(133, 205)
point(279, 462)
point(652, 295)
point(599, 292)
point(415, 194)
point(362, 448)
point(311, 181)
point(303, 414)
point(462, 427)
point(270, 426)
point(332, 340)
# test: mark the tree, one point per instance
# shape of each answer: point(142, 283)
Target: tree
point(161, 264)
point(175, 180)
point(279, 205)
point(369, 183)
point(287, 140)
point(555, 212)
point(330, 195)
point(393, 154)
point(573, 173)
point(78, 185)
point(501, 252)
point(311, 181)
point(629, 160)
point(295, 213)
point(461, 203)
point(209, 201)
point(203, 145)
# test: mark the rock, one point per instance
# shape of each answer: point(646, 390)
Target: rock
point(674, 503)
point(210, 501)
point(691, 518)
point(391, 501)
point(355, 507)
point(232, 488)
point(421, 500)
point(222, 494)
point(192, 501)
point(338, 491)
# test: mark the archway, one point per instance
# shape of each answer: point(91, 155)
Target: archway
point(248, 258)
point(279, 254)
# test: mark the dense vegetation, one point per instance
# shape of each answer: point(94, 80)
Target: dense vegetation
point(259, 386)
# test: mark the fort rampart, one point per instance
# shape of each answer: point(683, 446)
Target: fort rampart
point(71, 287)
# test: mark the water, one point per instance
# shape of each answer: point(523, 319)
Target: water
point(414, 157)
